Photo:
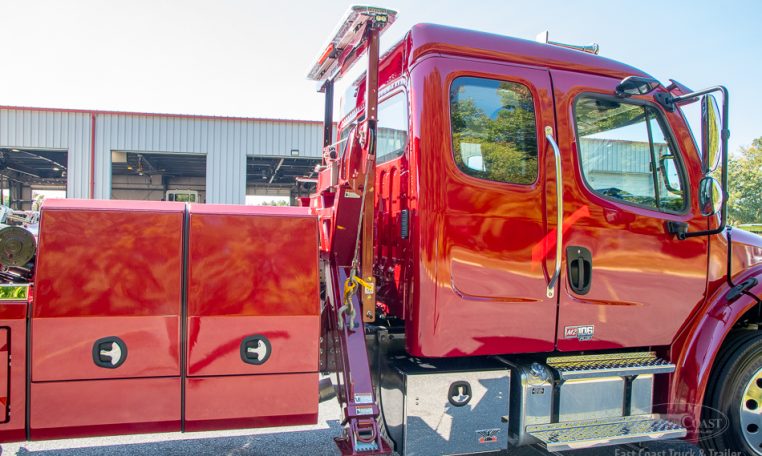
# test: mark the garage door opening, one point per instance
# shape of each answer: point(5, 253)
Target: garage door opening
point(27, 176)
point(273, 181)
point(158, 177)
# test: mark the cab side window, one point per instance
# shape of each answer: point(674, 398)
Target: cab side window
point(392, 128)
point(494, 130)
point(626, 154)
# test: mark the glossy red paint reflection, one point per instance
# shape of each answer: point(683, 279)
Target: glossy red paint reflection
point(104, 407)
point(109, 258)
point(480, 291)
point(695, 349)
point(215, 343)
point(644, 279)
point(107, 268)
point(13, 375)
point(61, 353)
point(251, 401)
point(251, 271)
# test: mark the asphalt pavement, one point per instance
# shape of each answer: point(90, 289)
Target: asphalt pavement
point(314, 440)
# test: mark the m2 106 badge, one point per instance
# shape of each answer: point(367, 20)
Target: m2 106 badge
point(487, 435)
point(581, 333)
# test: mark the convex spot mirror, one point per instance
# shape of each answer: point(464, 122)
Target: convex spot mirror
point(711, 125)
point(710, 196)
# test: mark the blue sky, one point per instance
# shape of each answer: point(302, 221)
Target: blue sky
point(250, 58)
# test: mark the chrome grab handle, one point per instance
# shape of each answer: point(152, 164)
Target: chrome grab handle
point(559, 212)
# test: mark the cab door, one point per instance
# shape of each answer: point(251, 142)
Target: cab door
point(494, 165)
point(626, 281)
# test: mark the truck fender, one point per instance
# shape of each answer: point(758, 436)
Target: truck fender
point(696, 347)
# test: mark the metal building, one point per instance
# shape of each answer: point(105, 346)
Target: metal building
point(125, 155)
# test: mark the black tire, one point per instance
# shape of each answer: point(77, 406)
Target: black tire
point(739, 361)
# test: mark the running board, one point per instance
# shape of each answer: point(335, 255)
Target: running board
point(604, 432)
point(609, 365)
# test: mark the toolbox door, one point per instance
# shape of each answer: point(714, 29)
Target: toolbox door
point(253, 318)
point(105, 330)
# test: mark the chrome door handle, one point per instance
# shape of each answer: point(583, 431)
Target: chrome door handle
point(551, 290)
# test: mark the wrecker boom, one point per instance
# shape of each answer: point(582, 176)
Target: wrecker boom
point(344, 201)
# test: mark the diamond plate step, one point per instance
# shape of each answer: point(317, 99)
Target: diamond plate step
point(614, 431)
point(609, 365)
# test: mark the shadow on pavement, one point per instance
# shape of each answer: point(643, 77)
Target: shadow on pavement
point(307, 443)
point(317, 443)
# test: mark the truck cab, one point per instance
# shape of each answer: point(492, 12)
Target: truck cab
point(549, 208)
point(467, 156)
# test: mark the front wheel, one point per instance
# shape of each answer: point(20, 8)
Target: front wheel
point(735, 394)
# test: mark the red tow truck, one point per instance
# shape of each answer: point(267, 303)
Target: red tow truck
point(510, 243)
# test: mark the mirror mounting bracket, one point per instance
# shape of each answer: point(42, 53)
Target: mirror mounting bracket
point(666, 100)
point(677, 228)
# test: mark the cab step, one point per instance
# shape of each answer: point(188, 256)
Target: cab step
point(604, 432)
point(609, 365)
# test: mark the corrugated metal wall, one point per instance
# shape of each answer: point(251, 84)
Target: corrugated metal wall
point(225, 141)
point(53, 130)
point(618, 156)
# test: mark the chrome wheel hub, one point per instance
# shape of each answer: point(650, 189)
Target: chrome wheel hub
point(751, 412)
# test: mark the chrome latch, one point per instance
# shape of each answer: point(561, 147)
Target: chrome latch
point(255, 349)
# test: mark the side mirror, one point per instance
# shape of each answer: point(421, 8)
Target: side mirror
point(711, 124)
point(710, 196)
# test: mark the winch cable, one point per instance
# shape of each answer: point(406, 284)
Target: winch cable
point(352, 282)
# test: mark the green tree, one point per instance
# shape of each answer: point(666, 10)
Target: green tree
point(506, 138)
point(745, 176)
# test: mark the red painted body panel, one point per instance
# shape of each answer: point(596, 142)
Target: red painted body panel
point(63, 347)
point(425, 39)
point(12, 390)
point(104, 407)
point(643, 278)
point(104, 259)
point(5, 371)
point(251, 401)
point(99, 262)
point(695, 348)
point(215, 343)
point(482, 291)
point(252, 271)
point(107, 268)
point(252, 263)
